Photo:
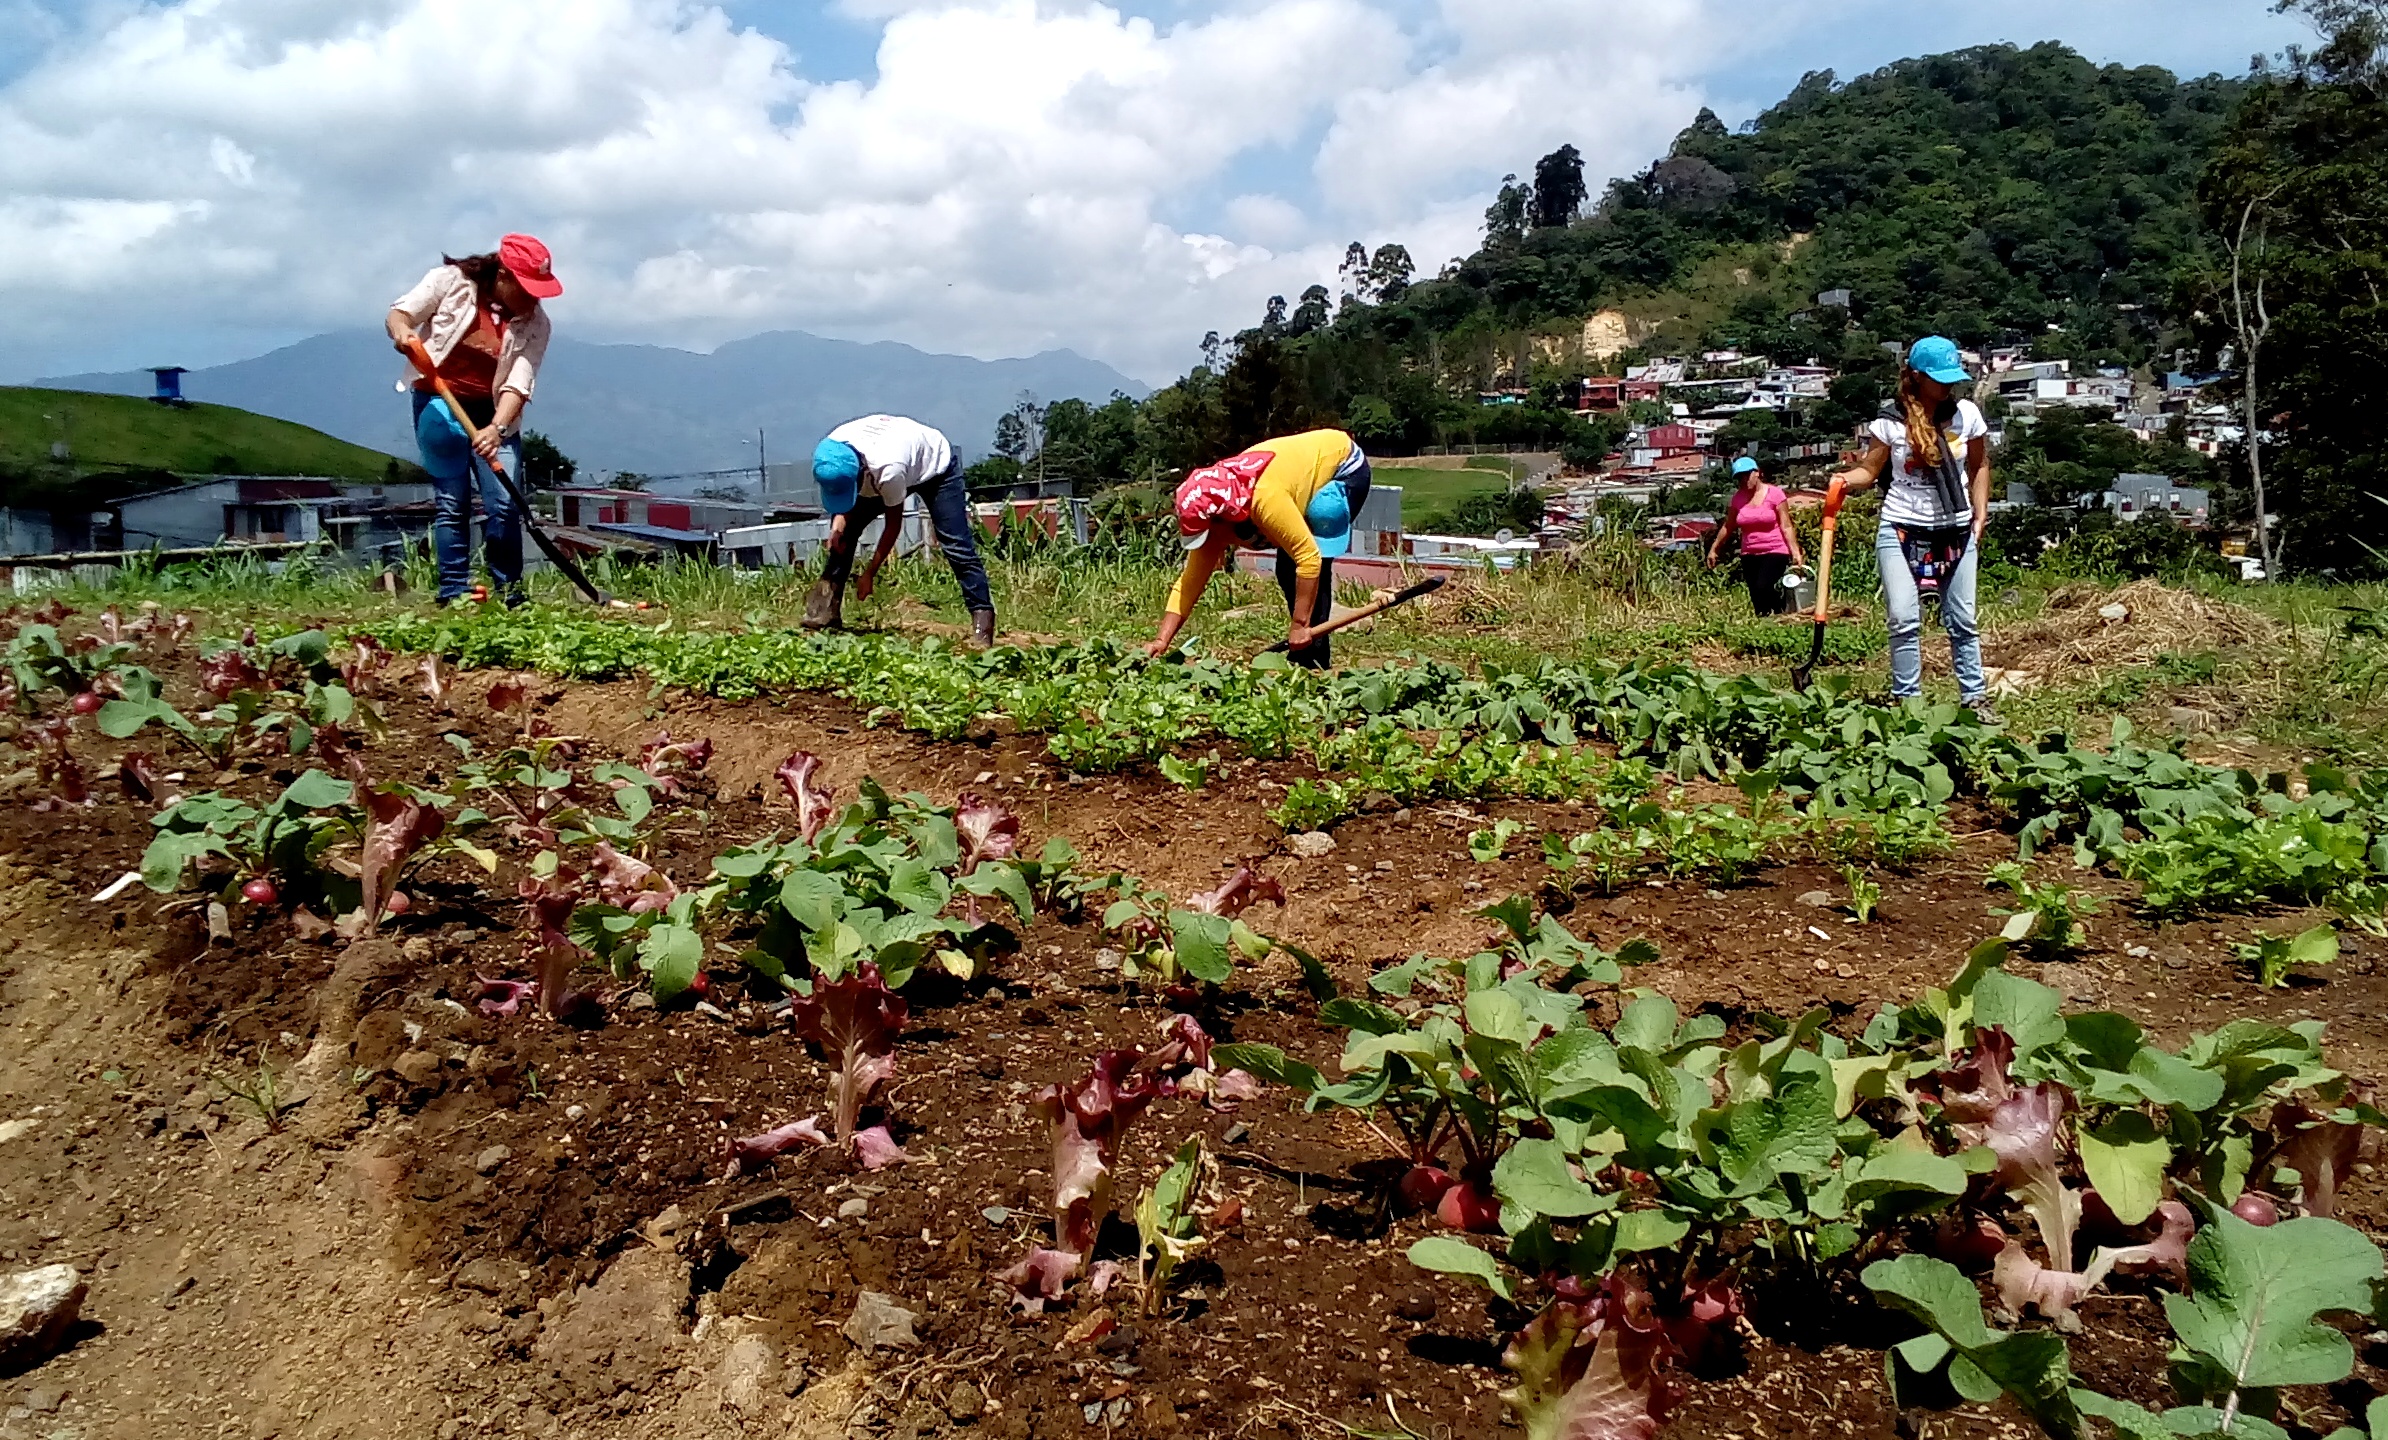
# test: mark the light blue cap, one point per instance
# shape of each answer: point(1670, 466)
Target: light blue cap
point(1330, 519)
point(1745, 466)
point(837, 469)
point(1937, 357)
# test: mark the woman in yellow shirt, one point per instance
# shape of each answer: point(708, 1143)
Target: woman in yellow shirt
point(1299, 494)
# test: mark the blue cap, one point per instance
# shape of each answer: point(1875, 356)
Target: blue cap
point(1936, 356)
point(1745, 466)
point(1330, 519)
point(837, 469)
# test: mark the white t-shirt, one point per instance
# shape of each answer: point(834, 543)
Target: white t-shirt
point(898, 455)
point(1912, 496)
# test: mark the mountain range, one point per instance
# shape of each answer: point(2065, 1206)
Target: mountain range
point(652, 409)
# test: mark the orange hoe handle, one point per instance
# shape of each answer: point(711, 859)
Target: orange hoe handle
point(1834, 494)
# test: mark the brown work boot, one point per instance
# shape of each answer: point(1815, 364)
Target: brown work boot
point(824, 608)
point(982, 628)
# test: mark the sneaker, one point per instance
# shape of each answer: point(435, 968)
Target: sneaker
point(1981, 708)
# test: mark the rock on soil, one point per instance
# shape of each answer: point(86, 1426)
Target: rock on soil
point(625, 1331)
point(37, 1308)
point(1311, 844)
point(878, 1320)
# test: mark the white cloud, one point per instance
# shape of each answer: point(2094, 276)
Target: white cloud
point(1017, 174)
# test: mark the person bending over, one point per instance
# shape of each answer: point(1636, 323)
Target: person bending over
point(864, 469)
point(1299, 494)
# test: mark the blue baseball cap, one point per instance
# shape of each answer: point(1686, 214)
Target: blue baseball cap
point(837, 469)
point(1936, 356)
point(1330, 519)
point(1745, 466)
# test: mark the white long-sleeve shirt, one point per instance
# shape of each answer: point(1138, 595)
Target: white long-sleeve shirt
point(441, 309)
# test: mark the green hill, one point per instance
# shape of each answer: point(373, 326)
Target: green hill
point(121, 443)
point(1998, 194)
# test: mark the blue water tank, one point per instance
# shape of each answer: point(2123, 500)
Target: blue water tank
point(169, 377)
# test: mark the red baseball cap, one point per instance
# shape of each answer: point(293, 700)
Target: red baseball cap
point(528, 261)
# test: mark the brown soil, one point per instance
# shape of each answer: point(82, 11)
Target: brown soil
point(505, 1226)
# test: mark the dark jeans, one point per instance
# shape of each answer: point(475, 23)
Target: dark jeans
point(1764, 575)
point(948, 503)
point(455, 470)
point(1319, 653)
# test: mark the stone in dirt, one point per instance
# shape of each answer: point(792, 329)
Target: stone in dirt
point(37, 1308)
point(965, 1402)
point(623, 1332)
point(1311, 844)
point(1817, 899)
point(878, 1320)
point(488, 1161)
point(748, 1375)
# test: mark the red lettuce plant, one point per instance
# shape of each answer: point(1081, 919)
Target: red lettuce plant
point(1088, 1118)
point(362, 671)
point(753, 1152)
point(503, 997)
point(987, 830)
point(855, 1019)
point(227, 671)
point(397, 824)
point(137, 772)
point(2024, 1126)
point(1595, 1365)
point(2321, 1150)
point(549, 902)
point(666, 760)
point(55, 765)
point(631, 884)
point(435, 681)
point(1242, 889)
point(812, 802)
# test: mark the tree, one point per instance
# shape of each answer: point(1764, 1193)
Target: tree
point(1558, 188)
point(544, 467)
point(1272, 320)
point(1011, 436)
point(2296, 195)
point(1389, 272)
point(1505, 218)
point(1311, 314)
point(1371, 421)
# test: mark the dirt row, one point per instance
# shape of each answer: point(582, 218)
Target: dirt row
point(498, 1225)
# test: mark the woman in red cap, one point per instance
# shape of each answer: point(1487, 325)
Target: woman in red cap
point(479, 318)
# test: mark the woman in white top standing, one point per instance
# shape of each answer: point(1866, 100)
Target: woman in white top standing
point(864, 469)
point(479, 318)
point(1936, 449)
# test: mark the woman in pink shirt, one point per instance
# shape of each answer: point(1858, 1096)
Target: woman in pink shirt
point(1769, 541)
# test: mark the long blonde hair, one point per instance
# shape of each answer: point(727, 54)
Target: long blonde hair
point(1923, 427)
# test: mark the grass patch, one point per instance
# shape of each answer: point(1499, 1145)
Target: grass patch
point(1425, 492)
point(126, 432)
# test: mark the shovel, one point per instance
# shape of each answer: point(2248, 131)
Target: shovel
point(421, 359)
point(1352, 617)
point(1832, 522)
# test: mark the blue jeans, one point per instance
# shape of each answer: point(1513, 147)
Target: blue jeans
point(1904, 608)
point(449, 456)
point(948, 502)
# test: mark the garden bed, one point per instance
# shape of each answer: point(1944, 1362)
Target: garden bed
point(511, 1160)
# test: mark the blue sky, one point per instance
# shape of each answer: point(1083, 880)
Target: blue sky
point(204, 180)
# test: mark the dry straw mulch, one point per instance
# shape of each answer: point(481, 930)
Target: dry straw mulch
point(2087, 629)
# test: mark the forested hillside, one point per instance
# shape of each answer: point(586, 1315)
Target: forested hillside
point(1989, 194)
point(1999, 195)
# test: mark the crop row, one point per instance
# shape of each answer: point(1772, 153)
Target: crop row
point(2194, 836)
